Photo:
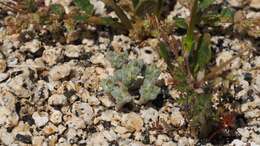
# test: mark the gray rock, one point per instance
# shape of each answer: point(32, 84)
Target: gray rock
point(40, 118)
point(255, 4)
point(56, 117)
point(83, 110)
point(57, 99)
point(59, 72)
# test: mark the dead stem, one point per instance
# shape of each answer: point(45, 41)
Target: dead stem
point(218, 69)
point(120, 13)
point(171, 41)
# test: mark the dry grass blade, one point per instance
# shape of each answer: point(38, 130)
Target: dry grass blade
point(215, 71)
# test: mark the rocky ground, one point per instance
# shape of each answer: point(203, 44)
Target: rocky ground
point(51, 94)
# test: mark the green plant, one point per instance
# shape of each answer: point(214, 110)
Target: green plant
point(131, 75)
point(189, 69)
point(68, 27)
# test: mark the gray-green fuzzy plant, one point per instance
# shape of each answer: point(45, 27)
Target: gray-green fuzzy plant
point(127, 75)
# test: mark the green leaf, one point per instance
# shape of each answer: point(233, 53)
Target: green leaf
point(163, 51)
point(188, 43)
point(135, 3)
point(226, 15)
point(85, 5)
point(203, 54)
point(81, 18)
point(57, 9)
point(180, 23)
point(204, 4)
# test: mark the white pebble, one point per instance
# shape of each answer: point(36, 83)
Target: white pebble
point(40, 119)
point(57, 99)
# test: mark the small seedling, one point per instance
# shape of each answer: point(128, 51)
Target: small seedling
point(131, 75)
point(189, 69)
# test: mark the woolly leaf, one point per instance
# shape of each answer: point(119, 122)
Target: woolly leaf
point(121, 95)
point(117, 59)
point(152, 73)
point(148, 91)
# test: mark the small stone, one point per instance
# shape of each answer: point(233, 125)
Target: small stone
point(56, 117)
point(28, 119)
point(61, 128)
point(244, 133)
point(251, 105)
point(92, 100)
point(98, 58)
point(106, 101)
point(176, 118)
point(150, 115)
point(59, 72)
point(27, 139)
point(32, 46)
point(71, 135)
point(257, 83)
point(2, 65)
point(183, 141)
point(38, 140)
point(121, 130)
point(256, 138)
point(52, 55)
point(147, 54)
point(40, 119)
point(224, 57)
point(50, 129)
point(97, 139)
point(121, 42)
point(9, 117)
point(170, 143)
point(99, 7)
point(73, 51)
point(132, 121)
point(76, 122)
point(83, 110)
point(161, 139)
point(3, 76)
point(237, 3)
point(21, 86)
point(253, 113)
point(5, 137)
point(237, 142)
point(57, 99)
point(110, 135)
point(255, 4)
point(256, 61)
